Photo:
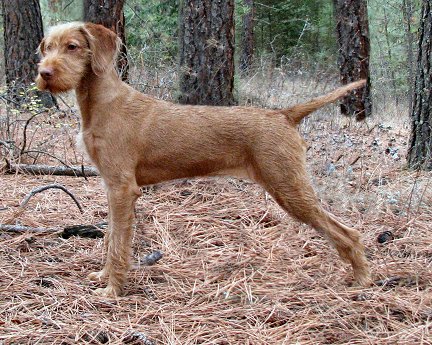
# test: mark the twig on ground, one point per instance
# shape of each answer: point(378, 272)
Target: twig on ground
point(24, 144)
point(50, 186)
point(355, 160)
point(6, 143)
point(40, 169)
point(48, 154)
point(423, 193)
point(21, 208)
point(72, 111)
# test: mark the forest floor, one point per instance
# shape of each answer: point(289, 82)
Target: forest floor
point(235, 268)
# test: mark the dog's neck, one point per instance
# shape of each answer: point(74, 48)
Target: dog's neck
point(92, 92)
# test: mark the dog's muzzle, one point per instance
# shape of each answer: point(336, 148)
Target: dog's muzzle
point(46, 73)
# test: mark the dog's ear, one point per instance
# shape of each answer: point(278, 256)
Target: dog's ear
point(104, 45)
point(41, 48)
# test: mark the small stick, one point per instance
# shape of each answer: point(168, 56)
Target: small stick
point(28, 152)
point(340, 156)
point(355, 160)
point(49, 186)
point(21, 208)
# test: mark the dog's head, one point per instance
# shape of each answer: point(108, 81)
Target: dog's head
point(70, 51)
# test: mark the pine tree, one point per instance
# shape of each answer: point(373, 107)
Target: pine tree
point(207, 52)
point(352, 29)
point(420, 144)
point(23, 31)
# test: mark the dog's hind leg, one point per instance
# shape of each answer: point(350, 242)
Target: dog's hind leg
point(121, 199)
point(291, 188)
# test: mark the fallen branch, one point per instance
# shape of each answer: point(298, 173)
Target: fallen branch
point(22, 228)
point(90, 231)
point(40, 169)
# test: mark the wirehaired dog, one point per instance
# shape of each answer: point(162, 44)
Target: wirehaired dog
point(135, 140)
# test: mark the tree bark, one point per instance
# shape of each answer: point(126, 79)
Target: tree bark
point(354, 51)
point(408, 10)
point(247, 41)
point(109, 13)
point(23, 31)
point(420, 144)
point(206, 67)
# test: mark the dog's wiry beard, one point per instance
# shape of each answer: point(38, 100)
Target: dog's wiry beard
point(41, 84)
point(66, 77)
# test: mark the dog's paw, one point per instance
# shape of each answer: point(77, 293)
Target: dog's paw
point(96, 276)
point(109, 292)
point(364, 279)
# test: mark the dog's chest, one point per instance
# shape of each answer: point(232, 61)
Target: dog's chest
point(86, 144)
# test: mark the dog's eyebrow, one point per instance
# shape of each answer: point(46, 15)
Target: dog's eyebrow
point(74, 41)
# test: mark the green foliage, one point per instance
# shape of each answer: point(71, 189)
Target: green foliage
point(304, 29)
point(389, 49)
point(152, 29)
point(298, 33)
point(295, 28)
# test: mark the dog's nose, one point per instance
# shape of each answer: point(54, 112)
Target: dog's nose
point(46, 73)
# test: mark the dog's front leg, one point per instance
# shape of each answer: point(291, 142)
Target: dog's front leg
point(121, 199)
point(99, 275)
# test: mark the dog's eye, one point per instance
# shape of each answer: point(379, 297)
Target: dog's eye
point(72, 46)
point(48, 47)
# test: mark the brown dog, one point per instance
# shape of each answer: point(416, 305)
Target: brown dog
point(136, 140)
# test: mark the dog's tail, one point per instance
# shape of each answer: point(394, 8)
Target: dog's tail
point(299, 111)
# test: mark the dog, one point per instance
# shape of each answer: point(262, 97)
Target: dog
point(136, 140)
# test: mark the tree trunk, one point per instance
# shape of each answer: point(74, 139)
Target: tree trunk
point(354, 50)
point(420, 145)
point(23, 32)
point(109, 13)
point(206, 52)
point(247, 42)
point(408, 10)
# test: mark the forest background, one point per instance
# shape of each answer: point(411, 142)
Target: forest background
point(295, 36)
